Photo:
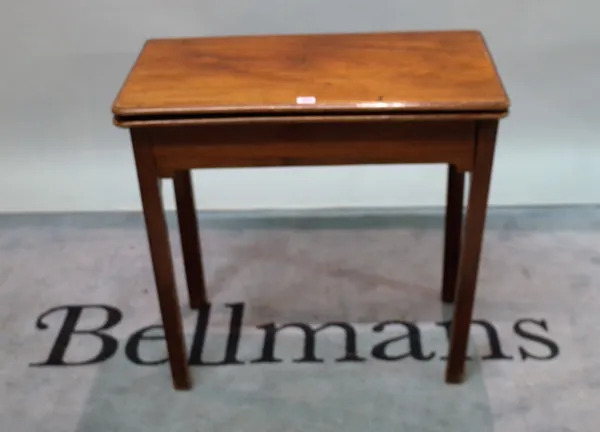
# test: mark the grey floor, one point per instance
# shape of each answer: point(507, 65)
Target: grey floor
point(539, 280)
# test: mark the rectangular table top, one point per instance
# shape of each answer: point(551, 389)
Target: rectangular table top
point(436, 72)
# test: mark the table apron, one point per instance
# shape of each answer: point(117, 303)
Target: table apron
point(268, 145)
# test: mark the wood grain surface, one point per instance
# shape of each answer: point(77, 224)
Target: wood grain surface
point(440, 71)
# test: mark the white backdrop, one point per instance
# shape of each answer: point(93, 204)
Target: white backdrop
point(63, 61)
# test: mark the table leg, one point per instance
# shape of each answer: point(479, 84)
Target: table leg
point(453, 227)
point(469, 259)
point(190, 241)
point(162, 263)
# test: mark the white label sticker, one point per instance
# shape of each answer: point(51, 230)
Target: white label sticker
point(306, 99)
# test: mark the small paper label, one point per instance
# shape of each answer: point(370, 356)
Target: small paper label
point(306, 99)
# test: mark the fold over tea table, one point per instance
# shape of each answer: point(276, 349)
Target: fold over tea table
point(316, 99)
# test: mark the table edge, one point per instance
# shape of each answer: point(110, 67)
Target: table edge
point(135, 122)
point(358, 107)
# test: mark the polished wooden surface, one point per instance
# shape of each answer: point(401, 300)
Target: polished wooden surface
point(405, 72)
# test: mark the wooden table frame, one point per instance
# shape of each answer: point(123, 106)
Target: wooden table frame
point(307, 100)
point(173, 149)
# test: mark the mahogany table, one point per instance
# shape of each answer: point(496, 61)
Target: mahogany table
point(320, 99)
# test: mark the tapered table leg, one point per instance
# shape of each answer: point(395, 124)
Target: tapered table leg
point(453, 228)
point(162, 263)
point(471, 251)
point(190, 240)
